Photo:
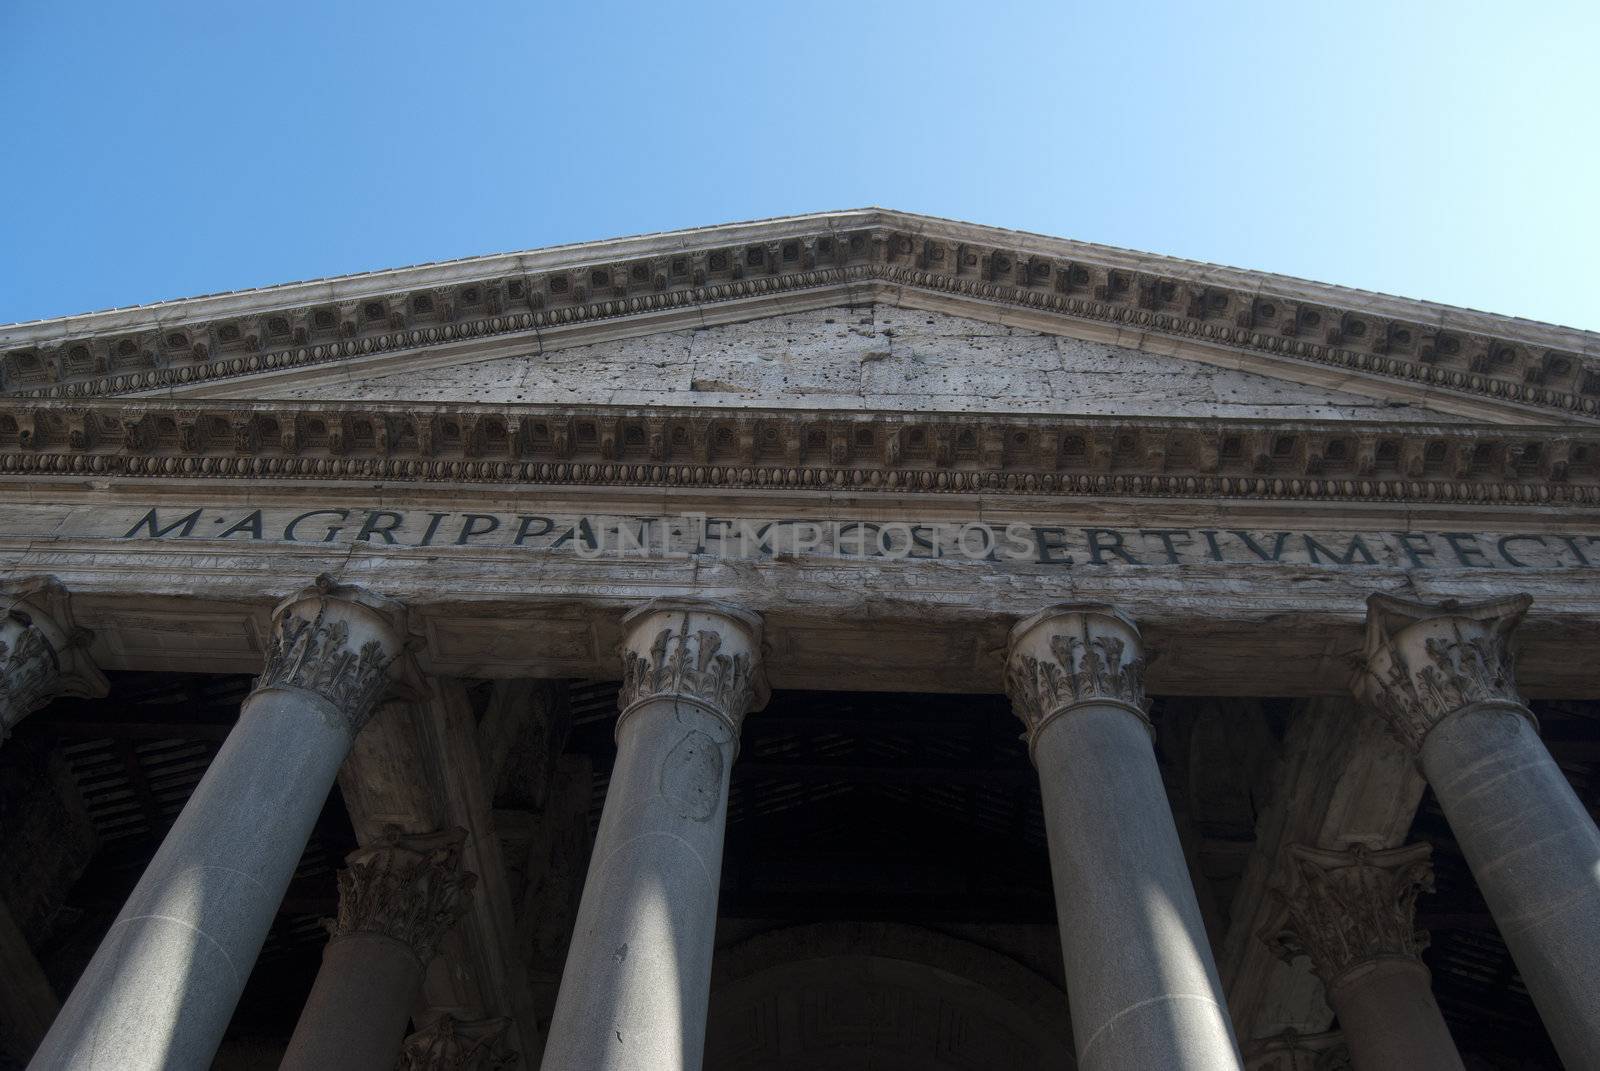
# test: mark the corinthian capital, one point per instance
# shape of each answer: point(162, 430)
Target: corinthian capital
point(1345, 909)
point(1424, 662)
point(43, 654)
point(409, 888)
point(339, 641)
point(698, 653)
point(1068, 655)
point(452, 1044)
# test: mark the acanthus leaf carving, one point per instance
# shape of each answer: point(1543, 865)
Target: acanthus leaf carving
point(1422, 662)
point(1345, 909)
point(411, 889)
point(338, 642)
point(688, 652)
point(1070, 655)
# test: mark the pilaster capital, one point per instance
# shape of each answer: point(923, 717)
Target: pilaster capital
point(704, 654)
point(452, 1044)
point(1294, 1051)
point(43, 653)
point(409, 888)
point(1423, 662)
point(1068, 655)
point(339, 641)
point(1351, 909)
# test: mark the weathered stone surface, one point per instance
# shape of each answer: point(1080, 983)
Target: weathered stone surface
point(875, 357)
point(638, 976)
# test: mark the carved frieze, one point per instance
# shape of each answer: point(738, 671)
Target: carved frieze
point(1345, 909)
point(699, 653)
point(338, 641)
point(1423, 662)
point(1481, 357)
point(452, 1044)
point(1073, 654)
point(409, 888)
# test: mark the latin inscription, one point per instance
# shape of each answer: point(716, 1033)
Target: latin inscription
point(1040, 542)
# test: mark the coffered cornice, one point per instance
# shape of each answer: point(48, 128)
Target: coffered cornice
point(1269, 320)
point(802, 450)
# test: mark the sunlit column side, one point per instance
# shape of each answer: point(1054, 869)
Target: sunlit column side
point(162, 986)
point(638, 975)
point(1141, 982)
point(42, 653)
point(1353, 912)
point(1443, 677)
point(397, 898)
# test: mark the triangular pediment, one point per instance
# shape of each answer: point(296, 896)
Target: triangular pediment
point(871, 357)
point(734, 315)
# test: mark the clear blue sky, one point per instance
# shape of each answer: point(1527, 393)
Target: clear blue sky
point(1444, 150)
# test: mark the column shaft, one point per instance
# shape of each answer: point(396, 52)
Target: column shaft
point(355, 1018)
point(638, 975)
point(161, 987)
point(1444, 677)
point(1141, 981)
point(1142, 985)
point(397, 898)
point(163, 984)
point(1535, 853)
point(1390, 1019)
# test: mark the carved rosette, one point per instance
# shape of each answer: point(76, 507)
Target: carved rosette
point(1294, 1051)
point(42, 653)
point(1069, 655)
point(703, 654)
point(338, 641)
point(1424, 662)
point(452, 1044)
point(409, 888)
point(1346, 909)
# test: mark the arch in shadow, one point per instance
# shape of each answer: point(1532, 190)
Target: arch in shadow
point(880, 997)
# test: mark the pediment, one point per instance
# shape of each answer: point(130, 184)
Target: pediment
point(469, 329)
point(867, 357)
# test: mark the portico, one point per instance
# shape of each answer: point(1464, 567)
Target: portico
point(1244, 638)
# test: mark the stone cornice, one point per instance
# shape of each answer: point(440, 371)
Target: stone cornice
point(1470, 355)
point(802, 450)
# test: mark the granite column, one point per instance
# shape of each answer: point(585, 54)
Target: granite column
point(161, 987)
point(397, 898)
point(1353, 913)
point(638, 975)
point(1443, 677)
point(1141, 982)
